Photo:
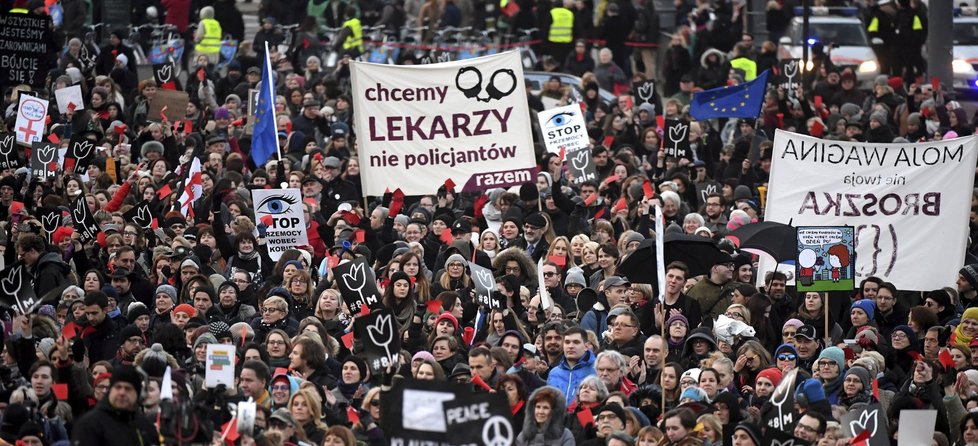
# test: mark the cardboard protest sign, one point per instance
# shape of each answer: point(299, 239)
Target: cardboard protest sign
point(282, 212)
point(44, 160)
point(9, 155)
point(31, 114)
point(485, 285)
point(18, 293)
point(870, 418)
point(357, 284)
point(479, 418)
point(480, 136)
point(219, 366)
point(645, 92)
point(564, 129)
point(163, 74)
point(425, 412)
point(69, 99)
point(776, 437)
point(826, 258)
point(84, 220)
point(580, 164)
point(706, 188)
point(789, 75)
point(174, 101)
point(676, 139)
point(909, 203)
point(916, 427)
point(141, 215)
point(27, 48)
point(782, 415)
point(80, 153)
point(381, 339)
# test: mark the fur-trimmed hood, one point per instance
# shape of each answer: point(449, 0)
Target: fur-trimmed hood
point(526, 264)
point(554, 428)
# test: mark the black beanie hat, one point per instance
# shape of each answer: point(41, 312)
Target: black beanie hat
point(127, 374)
point(361, 365)
point(400, 275)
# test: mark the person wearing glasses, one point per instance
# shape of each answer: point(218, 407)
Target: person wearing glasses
point(889, 312)
point(830, 370)
point(612, 368)
point(282, 387)
point(810, 427)
point(368, 429)
point(625, 333)
point(786, 357)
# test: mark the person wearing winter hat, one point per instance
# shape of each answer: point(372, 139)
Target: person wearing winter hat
point(115, 419)
point(966, 330)
point(446, 325)
point(856, 387)
point(609, 418)
point(221, 331)
point(766, 381)
point(677, 327)
point(692, 395)
point(182, 314)
point(151, 150)
point(353, 376)
point(31, 434)
point(940, 302)
point(831, 365)
point(968, 284)
point(131, 342)
point(574, 282)
point(139, 316)
point(861, 312)
point(747, 434)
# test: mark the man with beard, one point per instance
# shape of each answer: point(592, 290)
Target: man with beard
point(131, 342)
point(553, 342)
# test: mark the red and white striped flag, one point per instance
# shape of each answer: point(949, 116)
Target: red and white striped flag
point(193, 188)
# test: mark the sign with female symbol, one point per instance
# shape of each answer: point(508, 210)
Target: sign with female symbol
point(31, 113)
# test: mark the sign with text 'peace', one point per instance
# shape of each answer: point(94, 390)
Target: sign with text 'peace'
point(909, 203)
point(466, 121)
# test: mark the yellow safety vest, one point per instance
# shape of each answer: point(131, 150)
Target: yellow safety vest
point(917, 25)
point(355, 39)
point(561, 25)
point(749, 67)
point(874, 25)
point(211, 43)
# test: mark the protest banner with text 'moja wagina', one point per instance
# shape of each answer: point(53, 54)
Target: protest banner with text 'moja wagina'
point(466, 121)
point(909, 203)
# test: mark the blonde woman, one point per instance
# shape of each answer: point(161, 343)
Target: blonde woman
point(306, 408)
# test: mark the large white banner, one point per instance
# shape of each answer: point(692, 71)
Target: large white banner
point(281, 210)
point(909, 203)
point(564, 129)
point(467, 121)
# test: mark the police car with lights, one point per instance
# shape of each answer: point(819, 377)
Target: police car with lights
point(965, 63)
point(843, 29)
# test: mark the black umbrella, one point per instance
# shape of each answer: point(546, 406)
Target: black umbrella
point(697, 252)
point(777, 239)
point(640, 266)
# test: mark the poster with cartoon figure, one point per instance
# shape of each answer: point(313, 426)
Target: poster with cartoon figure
point(826, 259)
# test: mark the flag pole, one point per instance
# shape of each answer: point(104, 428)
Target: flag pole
point(271, 96)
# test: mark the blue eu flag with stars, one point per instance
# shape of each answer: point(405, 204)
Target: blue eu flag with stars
point(738, 101)
point(264, 142)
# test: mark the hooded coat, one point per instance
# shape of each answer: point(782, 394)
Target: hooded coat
point(528, 278)
point(551, 433)
point(50, 272)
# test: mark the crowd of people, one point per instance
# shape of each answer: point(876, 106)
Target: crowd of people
point(86, 363)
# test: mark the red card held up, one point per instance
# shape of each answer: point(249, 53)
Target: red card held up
point(607, 141)
point(348, 340)
point(266, 220)
point(350, 217)
point(351, 415)
point(359, 235)
point(16, 207)
point(54, 139)
point(434, 306)
point(60, 391)
point(364, 310)
point(647, 189)
point(449, 184)
point(557, 260)
point(70, 330)
point(590, 199)
point(446, 236)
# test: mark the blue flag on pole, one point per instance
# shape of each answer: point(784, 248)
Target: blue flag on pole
point(738, 101)
point(264, 142)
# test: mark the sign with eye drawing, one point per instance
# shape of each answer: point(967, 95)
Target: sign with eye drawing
point(564, 129)
point(281, 211)
point(465, 121)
